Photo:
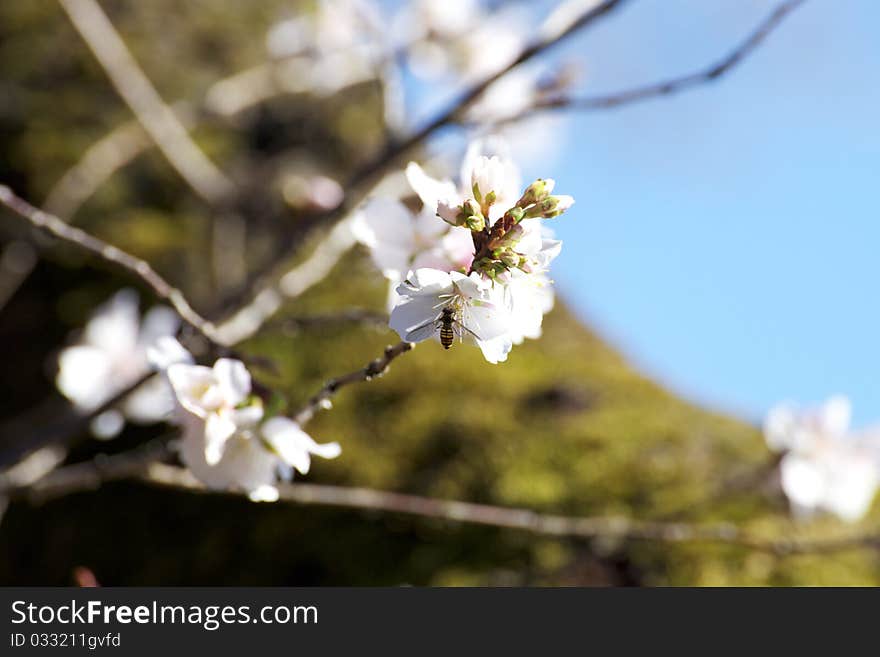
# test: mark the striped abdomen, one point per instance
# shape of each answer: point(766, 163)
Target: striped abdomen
point(446, 335)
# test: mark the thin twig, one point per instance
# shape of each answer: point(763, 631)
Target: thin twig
point(373, 369)
point(673, 85)
point(158, 120)
point(144, 463)
point(136, 267)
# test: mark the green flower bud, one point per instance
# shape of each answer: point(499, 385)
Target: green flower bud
point(536, 192)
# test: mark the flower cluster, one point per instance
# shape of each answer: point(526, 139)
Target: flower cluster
point(481, 272)
point(825, 466)
point(226, 440)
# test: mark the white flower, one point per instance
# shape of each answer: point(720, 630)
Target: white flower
point(110, 357)
point(825, 466)
point(224, 443)
point(479, 310)
point(399, 240)
point(216, 396)
point(485, 163)
point(530, 298)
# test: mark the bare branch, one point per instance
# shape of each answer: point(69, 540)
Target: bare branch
point(673, 85)
point(143, 463)
point(158, 120)
point(139, 269)
point(373, 369)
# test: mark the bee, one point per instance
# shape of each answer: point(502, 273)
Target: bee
point(447, 323)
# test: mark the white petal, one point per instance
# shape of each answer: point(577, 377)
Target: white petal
point(835, 414)
point(248, 416)
point(85, 376)
point(233, 380)
point(107, 425)
point(802, 482)
point(431, 190)
point(218, 429)
point(190, 383)
point(294, 445)
point(496, 350)
point(115, 325)
point(779, 428)
point(411, 313)
point(153, 401)
point(386, 227)
point(160, 321)
point(264, 493)
point(852, 484)
point(167, 351)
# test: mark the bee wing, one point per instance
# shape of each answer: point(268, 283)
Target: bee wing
point(422, 331)
point(462, 327)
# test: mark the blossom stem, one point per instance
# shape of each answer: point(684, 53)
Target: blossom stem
point(376, 367)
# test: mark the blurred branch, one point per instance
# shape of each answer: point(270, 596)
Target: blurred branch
point(157, 119)
point(63, 425)
point(137, 268)
point(356, 186)
point(374, 368)
point(673, 85)
point(144, 463)
point(351, 316)
point(89, 475)
point(247, 320)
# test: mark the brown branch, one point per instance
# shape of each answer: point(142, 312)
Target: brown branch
point(143, 463)
point(157, 119)
point(136, 267)
point(373, 369)
point(673, 85)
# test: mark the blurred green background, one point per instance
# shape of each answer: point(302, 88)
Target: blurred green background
point(565, 426)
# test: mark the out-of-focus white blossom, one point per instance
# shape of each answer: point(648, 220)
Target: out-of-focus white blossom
point(825, 466)
point(225, 442)
point(327, 49)
point(110, 356)
point(479, 308)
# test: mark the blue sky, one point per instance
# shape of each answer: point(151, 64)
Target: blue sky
point(725, 239)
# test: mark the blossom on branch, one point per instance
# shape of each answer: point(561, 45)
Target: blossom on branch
point(226, 442)
point(498, 293)
point(825, 466)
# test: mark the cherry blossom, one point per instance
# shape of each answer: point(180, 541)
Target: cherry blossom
point(481, 312)
point(225, 442)
point(110, 356)
point(825, 466)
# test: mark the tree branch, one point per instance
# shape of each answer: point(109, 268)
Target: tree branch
point(143, 463)
point(673, 85)
point(158, 120)
point(374, 368)
point(137, 268)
